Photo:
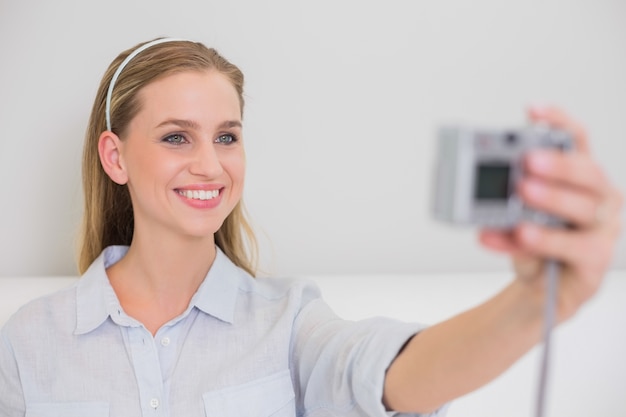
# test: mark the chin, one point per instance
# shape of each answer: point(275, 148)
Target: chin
point(197, 229)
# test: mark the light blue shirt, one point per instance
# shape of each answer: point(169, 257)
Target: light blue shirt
point(244, 347)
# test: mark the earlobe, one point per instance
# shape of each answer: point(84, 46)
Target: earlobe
point(109, 149)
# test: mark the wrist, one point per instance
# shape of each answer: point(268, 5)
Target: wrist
point(527, 306)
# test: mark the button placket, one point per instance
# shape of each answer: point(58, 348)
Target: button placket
point(147, 370)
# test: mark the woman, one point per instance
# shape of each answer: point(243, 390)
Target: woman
point(168, 318)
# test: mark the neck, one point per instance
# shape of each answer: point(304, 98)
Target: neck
point(161, 273)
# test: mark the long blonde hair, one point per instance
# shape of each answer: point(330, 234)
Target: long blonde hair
point(108, 212)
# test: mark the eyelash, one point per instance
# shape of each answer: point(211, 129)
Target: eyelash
point(182, 139)
point(169, 138)
point(233, 138)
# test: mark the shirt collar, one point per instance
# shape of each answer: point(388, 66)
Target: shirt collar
point(96, 299)
point(217, 294)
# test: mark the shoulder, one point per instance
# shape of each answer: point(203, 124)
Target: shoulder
point(55, 312)
point(290, 296)
point(274, 288)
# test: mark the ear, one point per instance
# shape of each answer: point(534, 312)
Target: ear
point(110, 150)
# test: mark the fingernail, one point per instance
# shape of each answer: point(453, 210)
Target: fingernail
point(538, 110)
point(530, 233)
point(539, 162)
point(535, 189)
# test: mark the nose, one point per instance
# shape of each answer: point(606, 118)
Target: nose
point(205, 160)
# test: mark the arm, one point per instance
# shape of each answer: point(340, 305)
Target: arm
point(463, 353)
point(469, 350)
point(12, 397)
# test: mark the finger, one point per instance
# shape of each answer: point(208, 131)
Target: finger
point(499, 241)
point(576, 207)
point(574, 169)
point(588, 250)
point(555, 117)
point(609, 214)
point(528, 267)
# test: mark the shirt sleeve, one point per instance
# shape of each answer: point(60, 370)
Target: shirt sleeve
point(339, 366)
point(12, 398)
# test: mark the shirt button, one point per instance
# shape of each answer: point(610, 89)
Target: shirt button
point(165, 341)
point(154, 403)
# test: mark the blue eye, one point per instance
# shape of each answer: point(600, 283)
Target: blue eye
point(175, 139)
point(226, 139)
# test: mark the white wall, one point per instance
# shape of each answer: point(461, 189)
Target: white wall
point(343, 98)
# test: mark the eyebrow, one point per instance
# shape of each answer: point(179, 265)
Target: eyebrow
point(190, 124)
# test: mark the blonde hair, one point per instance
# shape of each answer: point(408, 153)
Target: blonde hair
point(108, 211)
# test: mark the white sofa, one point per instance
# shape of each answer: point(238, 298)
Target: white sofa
point(588, 372)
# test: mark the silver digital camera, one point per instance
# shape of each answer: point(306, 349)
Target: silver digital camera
point(477, 170)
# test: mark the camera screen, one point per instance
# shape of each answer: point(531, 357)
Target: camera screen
point(492, 182)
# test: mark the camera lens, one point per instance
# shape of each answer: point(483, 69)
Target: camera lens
point(511, 138)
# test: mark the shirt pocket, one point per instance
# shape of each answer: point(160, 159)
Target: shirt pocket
point(269, 396)
point(92, 409)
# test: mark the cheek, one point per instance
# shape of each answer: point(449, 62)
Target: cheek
point(235, 164)
point(150, 166)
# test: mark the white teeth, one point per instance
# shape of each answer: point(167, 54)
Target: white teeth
point(199, 194)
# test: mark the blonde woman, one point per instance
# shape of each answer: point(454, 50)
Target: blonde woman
point(168, 319)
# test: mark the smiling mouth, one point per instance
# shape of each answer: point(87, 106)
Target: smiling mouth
point(199, 194)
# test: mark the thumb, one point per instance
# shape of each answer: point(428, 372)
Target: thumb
point(528, 267)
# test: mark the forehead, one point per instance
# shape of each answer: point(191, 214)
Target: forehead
point(195, 95)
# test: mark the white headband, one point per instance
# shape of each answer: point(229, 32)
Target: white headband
point(123, 64)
